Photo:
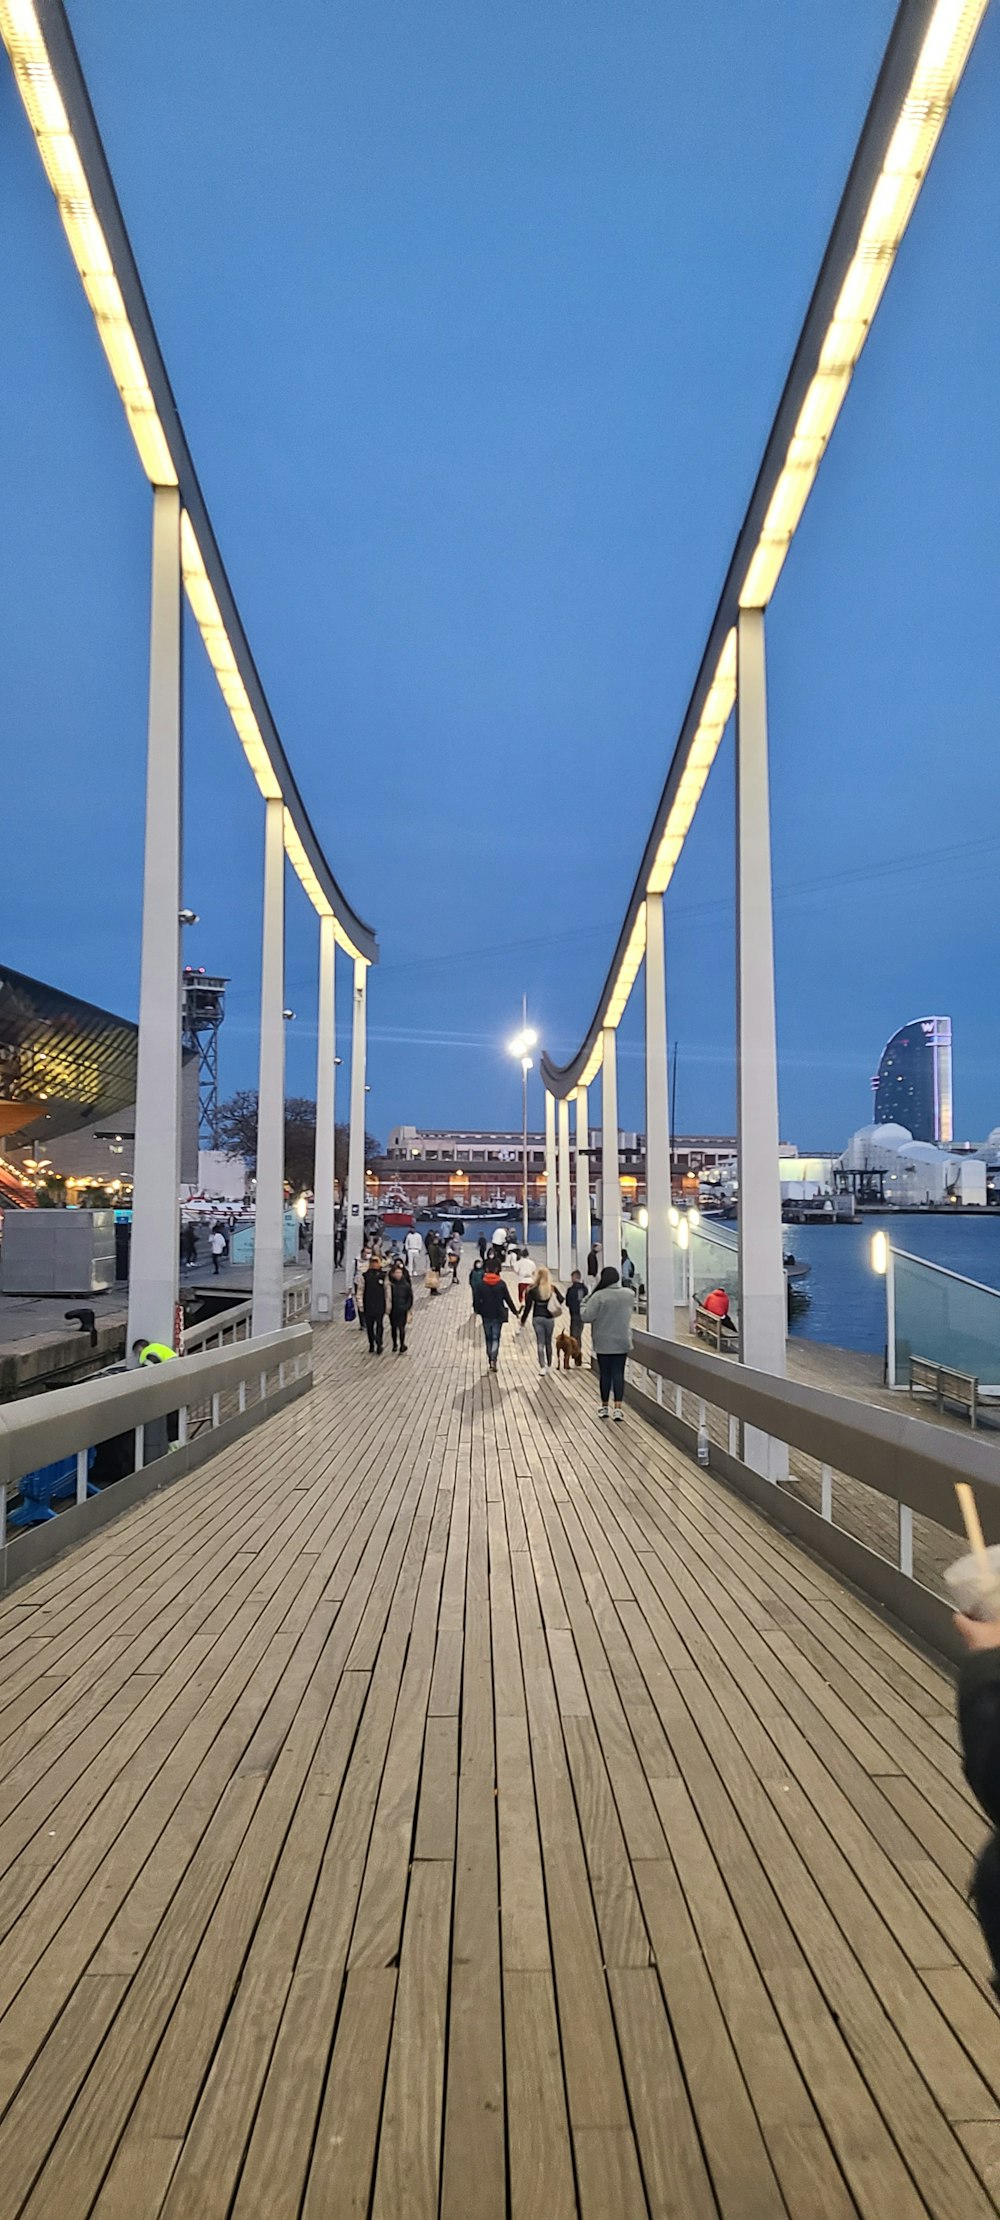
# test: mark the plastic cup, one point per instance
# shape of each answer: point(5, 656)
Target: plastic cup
point(974, 1582)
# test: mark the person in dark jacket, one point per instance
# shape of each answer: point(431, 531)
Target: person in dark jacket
point(400, 1306)
point(373, 1304)
point(495, 1300)
point(979, 1726)
point(593, 1266)
point(576, 1296)
point(482, 1247)
point(476, 1281)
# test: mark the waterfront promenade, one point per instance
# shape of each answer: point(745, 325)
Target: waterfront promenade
point(442, 1803)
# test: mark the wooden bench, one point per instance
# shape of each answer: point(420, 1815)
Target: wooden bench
point(719, 1331)
point(946, 1384)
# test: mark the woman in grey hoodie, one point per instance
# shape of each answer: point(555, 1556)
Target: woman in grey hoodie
point(608, 1313)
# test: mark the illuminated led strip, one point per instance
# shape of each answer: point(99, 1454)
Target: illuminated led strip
point(923, 109)
point(21, 33)
point(940, 63)
point(35, 77)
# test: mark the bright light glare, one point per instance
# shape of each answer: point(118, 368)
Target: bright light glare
point(880, 1253)
point(683, 1236)
point(694, 1219)
point(674, 1214)
point(644, 1219)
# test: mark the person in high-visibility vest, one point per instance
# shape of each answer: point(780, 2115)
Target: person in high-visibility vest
point(152, 1352)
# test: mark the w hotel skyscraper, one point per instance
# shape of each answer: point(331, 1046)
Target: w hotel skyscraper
point(913, 1082)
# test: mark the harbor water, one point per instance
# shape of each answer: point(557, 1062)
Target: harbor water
point(847, 1299)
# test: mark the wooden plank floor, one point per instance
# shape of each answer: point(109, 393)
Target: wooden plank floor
point(447, 1804)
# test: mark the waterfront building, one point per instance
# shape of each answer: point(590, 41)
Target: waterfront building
point(477, 1170)
point(67, 1091)
point(913, 1082)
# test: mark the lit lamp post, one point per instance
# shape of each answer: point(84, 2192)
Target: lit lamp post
point(519, 1047)
point(882, 1262)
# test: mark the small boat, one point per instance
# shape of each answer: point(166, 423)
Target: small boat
point(395, 1210)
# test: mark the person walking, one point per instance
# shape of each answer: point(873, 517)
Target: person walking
point(400, 1306)
point(476, 1281)
point(608, 1313)
point(576, 1296)
point(217, 1244)
point(628, 1269)
point(454, 1255)
point(413, 1249)
point(360, 1267)
point(373, 1304)
point(482, 1247)
point(593, 1265)
point(495, 1300)
point(542, 1304)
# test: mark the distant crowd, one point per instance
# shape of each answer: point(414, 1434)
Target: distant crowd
point(505, 1283)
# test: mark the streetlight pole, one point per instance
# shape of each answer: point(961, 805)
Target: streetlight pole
point(525, 1068)
point(519, 1047)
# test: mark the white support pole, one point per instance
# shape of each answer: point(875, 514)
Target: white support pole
point(326, 1114)
point(269, 1221)
point(611, 1193)
point(763, 1298)
point(153, 1267)
point(356, 1149)
point(551, 1185)
point(659, 1237)
point(582, 1180)
point(565, 1194)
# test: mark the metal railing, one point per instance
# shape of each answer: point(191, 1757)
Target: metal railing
point(214, 1393)
point(908, 1463)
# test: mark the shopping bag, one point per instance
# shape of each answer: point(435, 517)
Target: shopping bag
point(350, 1311)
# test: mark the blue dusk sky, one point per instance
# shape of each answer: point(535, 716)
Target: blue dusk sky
point(477, 317)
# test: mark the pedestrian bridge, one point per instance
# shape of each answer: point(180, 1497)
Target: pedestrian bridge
point(443, 1803)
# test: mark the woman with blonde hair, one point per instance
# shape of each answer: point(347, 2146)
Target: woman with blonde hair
point(542, 1303)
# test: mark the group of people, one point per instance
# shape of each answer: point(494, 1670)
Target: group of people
point(607, 1308)
point(383, 1289)
point(604, 1301)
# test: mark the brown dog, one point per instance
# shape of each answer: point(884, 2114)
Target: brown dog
point(567, 1346)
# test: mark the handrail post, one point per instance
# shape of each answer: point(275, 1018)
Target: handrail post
point(551, 1185)
point(763, 1297)
point(326, 1113)
point(565, 1196)
point(269, 1219)
point(611, 1193)
point(153, 1262)
point(582, 1180)
point(356, 1149)
point(659, 1235)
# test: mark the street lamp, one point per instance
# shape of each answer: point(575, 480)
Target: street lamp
point(519, 1047)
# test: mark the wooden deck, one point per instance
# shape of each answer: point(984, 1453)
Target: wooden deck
point(444, 1803)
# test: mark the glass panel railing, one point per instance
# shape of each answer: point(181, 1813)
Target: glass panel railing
point(715, 1263)
point(940, 1316)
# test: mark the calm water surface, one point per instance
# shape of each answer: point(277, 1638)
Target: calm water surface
point(847, 1299)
